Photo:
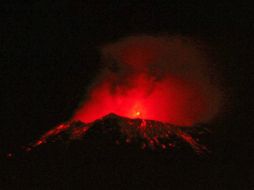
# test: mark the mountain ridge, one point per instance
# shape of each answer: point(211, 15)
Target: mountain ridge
point(147, 133)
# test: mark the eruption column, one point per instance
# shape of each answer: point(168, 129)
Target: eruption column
point(158, 78)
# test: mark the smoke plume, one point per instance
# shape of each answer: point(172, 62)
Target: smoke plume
point(159, 78)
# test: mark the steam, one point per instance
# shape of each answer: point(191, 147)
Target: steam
point(162, 78)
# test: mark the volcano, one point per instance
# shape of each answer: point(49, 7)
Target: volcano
point(112, 151)
point(116, 129)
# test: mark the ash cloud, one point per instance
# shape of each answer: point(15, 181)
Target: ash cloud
point(154, 65)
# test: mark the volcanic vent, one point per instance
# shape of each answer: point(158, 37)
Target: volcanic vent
point(159, 89)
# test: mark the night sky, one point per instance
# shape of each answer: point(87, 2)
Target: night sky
point(49, 56)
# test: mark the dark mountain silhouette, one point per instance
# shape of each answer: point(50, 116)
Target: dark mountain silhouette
point(114, 152)
point(139, 132)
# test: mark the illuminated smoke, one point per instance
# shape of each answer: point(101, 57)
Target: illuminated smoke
point(157, 78)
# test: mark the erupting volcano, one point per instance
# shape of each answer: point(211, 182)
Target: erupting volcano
point(157, 86)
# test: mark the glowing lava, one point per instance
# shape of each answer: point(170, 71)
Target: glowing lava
point(145, 133)
point(155, 85)
point(137, 113)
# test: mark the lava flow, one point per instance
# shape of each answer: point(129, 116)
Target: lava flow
point(146, 133)
point(159, 87)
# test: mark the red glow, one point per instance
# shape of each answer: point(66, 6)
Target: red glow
point(138, 113)
point(171, 100)
point(135, 92)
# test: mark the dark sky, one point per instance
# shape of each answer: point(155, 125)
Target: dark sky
point(49, 56)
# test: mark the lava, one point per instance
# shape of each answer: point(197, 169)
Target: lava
point(147, 133)
point(159, 87)
point(138, 113)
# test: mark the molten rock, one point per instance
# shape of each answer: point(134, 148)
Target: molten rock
point(149, 134)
